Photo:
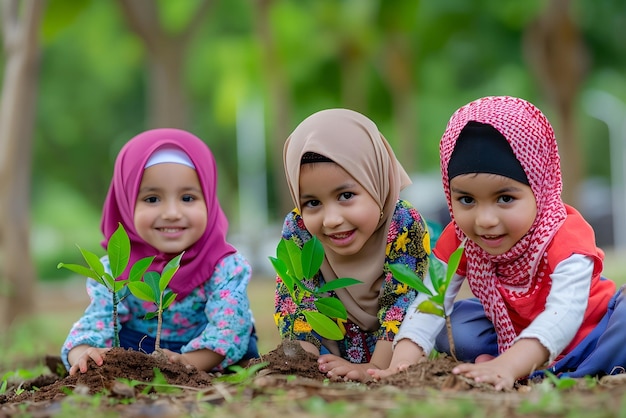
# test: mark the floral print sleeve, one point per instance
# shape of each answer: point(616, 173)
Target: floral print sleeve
point(407, 242)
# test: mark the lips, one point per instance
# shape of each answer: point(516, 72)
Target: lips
point(341, 238)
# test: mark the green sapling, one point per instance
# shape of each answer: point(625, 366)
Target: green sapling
point(294, 265)
point(118, 250)
point(440, 278)
point(153, 289)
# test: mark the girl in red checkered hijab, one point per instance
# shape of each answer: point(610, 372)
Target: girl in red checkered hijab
point(530, 260)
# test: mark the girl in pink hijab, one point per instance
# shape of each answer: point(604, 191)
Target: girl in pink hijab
point(164, 193)
point(530, 260)
point(345, 182)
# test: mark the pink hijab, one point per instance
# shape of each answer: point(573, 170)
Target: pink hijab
point(513, 274)
point(198, 263)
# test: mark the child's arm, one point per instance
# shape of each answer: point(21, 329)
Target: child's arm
point(524, 357)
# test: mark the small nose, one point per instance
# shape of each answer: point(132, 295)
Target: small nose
point(171, 211)
point(486, 217)
point(332, 218)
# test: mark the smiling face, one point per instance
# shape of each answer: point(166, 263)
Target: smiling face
point(170, 211)
point(336, 208)
point(492, 210)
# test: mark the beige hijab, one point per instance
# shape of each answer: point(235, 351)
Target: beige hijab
point(353, 142)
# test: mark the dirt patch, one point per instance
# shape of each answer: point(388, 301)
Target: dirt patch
point(131, 380)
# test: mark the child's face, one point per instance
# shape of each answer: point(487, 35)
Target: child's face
point(336, 208)
point(493, 211)
point(170, 211)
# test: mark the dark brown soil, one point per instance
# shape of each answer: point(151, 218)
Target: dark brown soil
point(287, 371)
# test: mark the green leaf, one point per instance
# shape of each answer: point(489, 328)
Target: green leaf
point(436, 271)
point(331, 307)
point(312, 257)
point(323, 325)
point(295, 258)
point(282, 254)
point(404, 274)
point(151, 315)
point(108, 281)
point(338, 284)
point(139, 268)
point(119, 285)
point(428, 306)
point(78, 269)
point(168, 298)
point(142, 291)
point(118, 249)
point(169, 270)
point(454, 261)
point(282, 271)
point(93, 261)
point(152, 279)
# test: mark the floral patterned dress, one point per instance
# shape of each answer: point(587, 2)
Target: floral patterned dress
point(408, 242)
point(214, 316)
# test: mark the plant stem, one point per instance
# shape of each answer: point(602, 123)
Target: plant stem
point(450, 338)
point(157, 339)
point(116, 333)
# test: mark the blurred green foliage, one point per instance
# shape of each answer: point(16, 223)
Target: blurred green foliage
point(93, 84)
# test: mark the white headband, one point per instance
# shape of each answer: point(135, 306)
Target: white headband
point(169, 155)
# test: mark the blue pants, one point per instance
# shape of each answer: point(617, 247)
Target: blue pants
point(602, 352)
point(131, 339)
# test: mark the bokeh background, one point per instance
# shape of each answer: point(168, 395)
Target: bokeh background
point(82, 77)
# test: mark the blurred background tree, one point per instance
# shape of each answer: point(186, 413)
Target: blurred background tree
point(241, 74)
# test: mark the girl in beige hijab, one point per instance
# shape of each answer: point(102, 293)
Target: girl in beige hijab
point(345, 182)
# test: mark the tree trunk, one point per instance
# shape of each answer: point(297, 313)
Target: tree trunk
point(398, 73)
point(167, 102)
point(557, 54)
point(280, 125)
point(21, 22)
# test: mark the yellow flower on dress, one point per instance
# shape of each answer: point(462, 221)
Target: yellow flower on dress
point(426, 242)
point(301, 326)
point(388, 248)
point(340, 323)
point(276, 318)
point(392, 326)
point(403, 240)
point(401, 289)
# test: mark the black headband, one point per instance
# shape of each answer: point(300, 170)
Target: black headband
point(312, 157)
point(481, 148)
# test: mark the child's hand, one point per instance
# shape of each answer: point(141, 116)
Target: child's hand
point(492, 372)
point(337, 368)
point(174, 357)
point(405, 354)
point(82, 360)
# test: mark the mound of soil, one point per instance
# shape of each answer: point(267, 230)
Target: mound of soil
point(130, 374)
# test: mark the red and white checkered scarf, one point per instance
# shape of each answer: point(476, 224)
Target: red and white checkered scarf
point(512, 274)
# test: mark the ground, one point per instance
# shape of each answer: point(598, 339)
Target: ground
point(126, 386)
point(130, 376)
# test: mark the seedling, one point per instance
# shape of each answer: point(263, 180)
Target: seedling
point(153, 289)
point(294, 265)
point(440, 278)
point(118, 251)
